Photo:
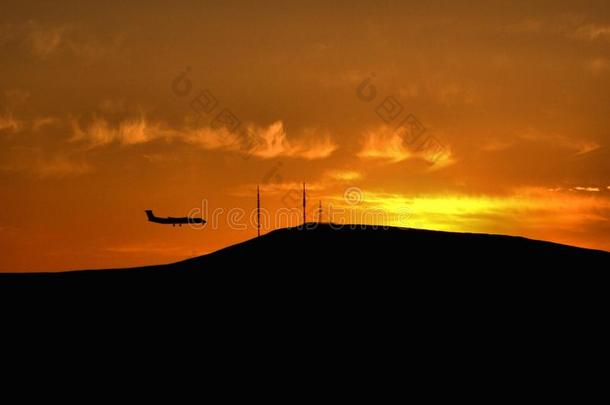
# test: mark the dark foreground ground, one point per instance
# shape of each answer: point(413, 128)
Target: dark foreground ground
point(451, 292)
point(368, 302)
point(345, 261)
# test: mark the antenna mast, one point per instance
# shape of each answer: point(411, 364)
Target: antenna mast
point(320, 212)
point(304, 206)
point(258, 211)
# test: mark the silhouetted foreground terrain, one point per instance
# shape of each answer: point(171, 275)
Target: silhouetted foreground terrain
point(373, 285)
point(341, 258)
point(388, 291)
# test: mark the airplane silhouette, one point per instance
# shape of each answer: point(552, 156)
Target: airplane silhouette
point(173, 221)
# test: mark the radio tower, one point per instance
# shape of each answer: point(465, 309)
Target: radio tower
point(258, 211)
point(304, 206)
point(320, 212)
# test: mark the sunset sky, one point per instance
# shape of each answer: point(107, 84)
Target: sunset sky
point(474, 116)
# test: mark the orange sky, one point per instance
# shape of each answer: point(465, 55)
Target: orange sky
point(506, 108)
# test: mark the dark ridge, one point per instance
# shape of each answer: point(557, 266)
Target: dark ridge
point(334, 272)
point(330, 249)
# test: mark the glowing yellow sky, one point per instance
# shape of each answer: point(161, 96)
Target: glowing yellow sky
point(462, 116)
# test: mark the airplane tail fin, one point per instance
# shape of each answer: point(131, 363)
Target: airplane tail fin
point(150, 215)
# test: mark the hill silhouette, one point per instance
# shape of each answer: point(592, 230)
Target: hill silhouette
point(324, 254)
point(330, 277)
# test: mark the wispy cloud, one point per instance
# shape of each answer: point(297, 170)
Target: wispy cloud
point(592, 32)
point(522, 211)
point(43, 122)
point(343, 175)
point(101, 132)
point(387, 144)
point(589, 189)
point(272, 141)
point(210, 138)
point(384, 143)
point(574, 26)
point(10, 100)
point(9, 123)
point(575, 143)
point(263, 142)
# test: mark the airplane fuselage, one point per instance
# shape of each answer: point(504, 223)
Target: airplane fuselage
point(173, 220)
